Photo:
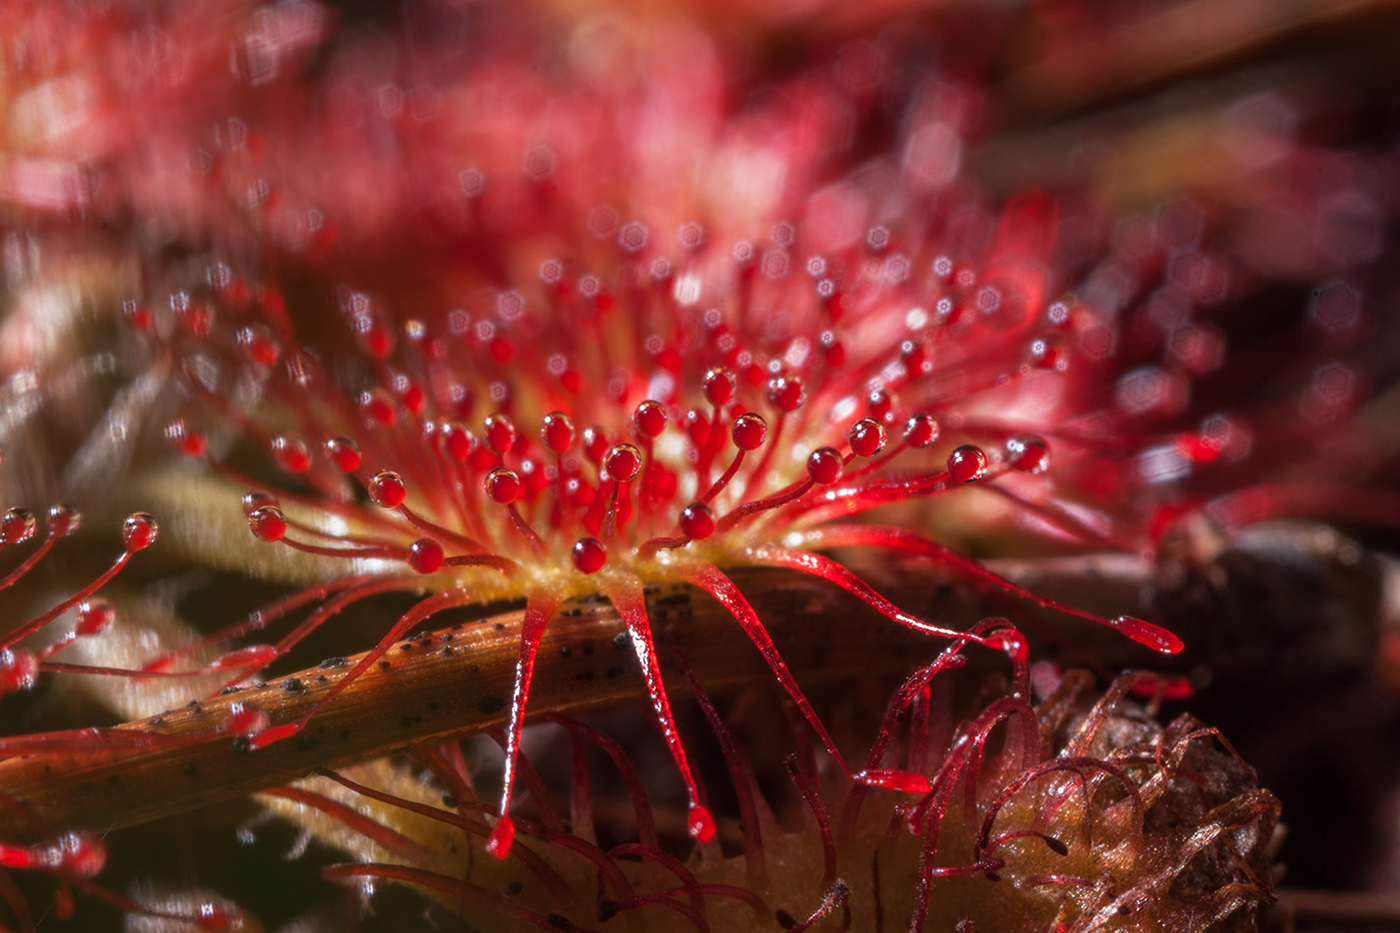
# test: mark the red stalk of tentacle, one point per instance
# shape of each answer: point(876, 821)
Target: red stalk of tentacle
point(908, 542)
point(713, 581)
point(538, 609)
point(825, 568)
point(627, 597)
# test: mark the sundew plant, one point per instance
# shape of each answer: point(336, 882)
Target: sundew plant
point(613, 468)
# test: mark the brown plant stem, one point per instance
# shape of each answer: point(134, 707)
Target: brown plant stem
point(454, 681)
point(459, 680)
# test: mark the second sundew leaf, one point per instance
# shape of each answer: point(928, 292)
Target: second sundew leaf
point(1106, 827)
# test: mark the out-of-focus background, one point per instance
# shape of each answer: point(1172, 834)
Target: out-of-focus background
point(1226, 182)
